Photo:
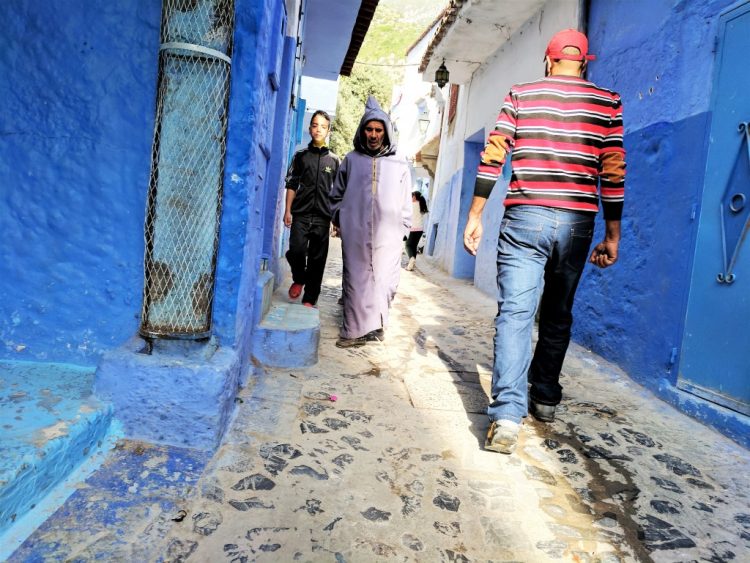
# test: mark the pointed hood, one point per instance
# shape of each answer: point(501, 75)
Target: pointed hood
point(373, 111)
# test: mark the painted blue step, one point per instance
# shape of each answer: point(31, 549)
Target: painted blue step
point(288, 336)
point(121, 511)
point(50, 422)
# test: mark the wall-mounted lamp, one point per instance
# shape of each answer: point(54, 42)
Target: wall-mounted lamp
point(442, 75)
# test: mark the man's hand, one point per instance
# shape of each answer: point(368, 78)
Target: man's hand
point(473, 234)
point(290, 193)
point(473, 230)
point(604, 254)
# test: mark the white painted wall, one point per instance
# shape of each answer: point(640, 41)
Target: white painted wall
point(408, 96)
point(517, 60)
point(292, 16)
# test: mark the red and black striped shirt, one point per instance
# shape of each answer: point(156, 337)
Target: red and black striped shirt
point(566, 137)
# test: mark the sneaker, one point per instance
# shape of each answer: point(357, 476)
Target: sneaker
point(502, 436)
point(375, 336)
point(351, 342)
point(544, 413)
point(295, 290)
point(411, 264)
point(310, 305)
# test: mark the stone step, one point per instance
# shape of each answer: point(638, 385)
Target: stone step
point(120, 511)
point(288, 335)
point(50, 423)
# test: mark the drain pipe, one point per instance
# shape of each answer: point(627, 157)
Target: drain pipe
point(584, 8)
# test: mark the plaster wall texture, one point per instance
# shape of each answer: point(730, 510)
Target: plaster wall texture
point(181, 394)
point(250, 144)
point(652, 53)
point(518, 60)
point(444, 214)
point(633, 314)
point(74, 170)
point(413, 100)
point(283, 137)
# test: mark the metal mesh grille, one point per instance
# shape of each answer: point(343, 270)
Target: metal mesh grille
point(184, 199)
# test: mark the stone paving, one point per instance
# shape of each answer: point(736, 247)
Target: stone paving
point(376, 453)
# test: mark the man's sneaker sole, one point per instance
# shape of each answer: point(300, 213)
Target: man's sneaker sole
point(502, 438)
point(502, 447)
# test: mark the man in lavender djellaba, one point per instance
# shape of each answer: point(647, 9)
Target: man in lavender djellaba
point(371, 207)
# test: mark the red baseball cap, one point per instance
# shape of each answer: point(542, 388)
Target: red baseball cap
point(568, 38)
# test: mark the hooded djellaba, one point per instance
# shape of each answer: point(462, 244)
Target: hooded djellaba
point(371, 207)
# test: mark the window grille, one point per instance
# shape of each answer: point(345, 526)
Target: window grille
point(187, 168)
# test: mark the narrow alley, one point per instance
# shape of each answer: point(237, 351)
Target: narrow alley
point(376, 453)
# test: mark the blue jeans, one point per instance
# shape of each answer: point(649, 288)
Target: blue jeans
point(540, 249)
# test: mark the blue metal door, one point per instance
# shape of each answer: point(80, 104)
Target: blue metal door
point(715, 361)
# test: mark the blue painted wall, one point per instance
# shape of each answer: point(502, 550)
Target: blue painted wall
point(660, 57)
point(449, 210)
point(142, 388)
point(275, 191)
point(485, 272)
point(250, 145)
point(441, 243)
point(464, 263)
point(74, 169)
point(76, 126)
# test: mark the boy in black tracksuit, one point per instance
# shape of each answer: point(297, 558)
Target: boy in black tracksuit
point(308, 210)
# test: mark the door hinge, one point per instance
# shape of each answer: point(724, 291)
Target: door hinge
point(693, 211)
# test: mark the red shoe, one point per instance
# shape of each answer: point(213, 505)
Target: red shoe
point(309, 305)
point(295, 290)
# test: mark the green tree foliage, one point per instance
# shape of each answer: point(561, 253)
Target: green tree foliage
point(395, 26)
point(392, 31)
point(353, 93)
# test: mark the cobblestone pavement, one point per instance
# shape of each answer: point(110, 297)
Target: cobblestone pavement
point(394, 467)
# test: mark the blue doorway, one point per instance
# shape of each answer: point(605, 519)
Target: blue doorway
point(464, 263)
point(715, 359)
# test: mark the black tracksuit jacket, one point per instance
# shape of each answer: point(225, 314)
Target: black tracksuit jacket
point(311, 175)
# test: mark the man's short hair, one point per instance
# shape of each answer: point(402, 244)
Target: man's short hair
point(323, 114)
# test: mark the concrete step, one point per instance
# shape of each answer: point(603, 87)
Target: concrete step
point(50, 423)
point(288, 335)
point(122, 510)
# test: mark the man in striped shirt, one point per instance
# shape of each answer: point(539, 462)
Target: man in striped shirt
point(564, 135)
